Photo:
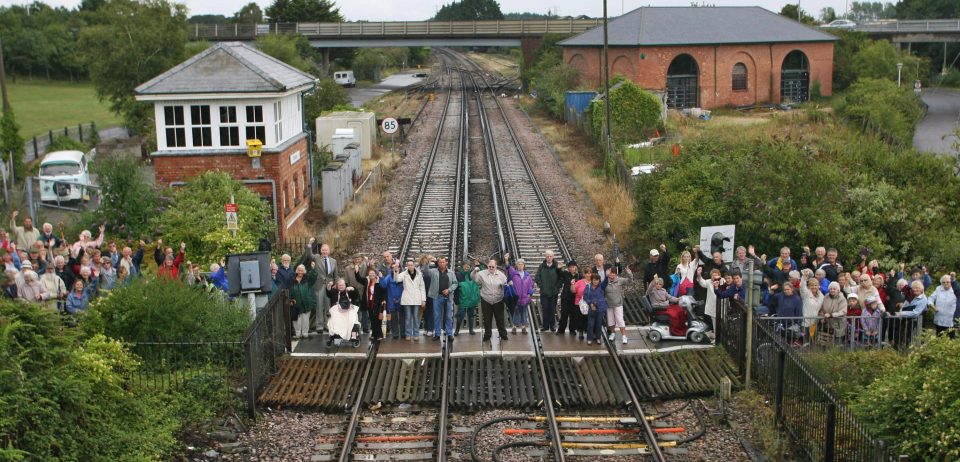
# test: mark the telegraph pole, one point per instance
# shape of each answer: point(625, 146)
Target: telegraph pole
point(3, 81)
point(606, 82)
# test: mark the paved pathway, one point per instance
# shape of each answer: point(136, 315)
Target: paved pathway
point(935, 132)
point(358, 96)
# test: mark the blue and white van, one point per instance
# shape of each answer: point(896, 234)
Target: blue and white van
point(61, 175)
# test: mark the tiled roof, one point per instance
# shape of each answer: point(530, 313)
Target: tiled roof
point(227, 67)
point(699, 25)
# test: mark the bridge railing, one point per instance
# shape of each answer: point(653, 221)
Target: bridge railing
point(933, 25)
point(395, 29)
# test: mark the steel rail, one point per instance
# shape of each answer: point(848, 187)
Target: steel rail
point(510, 242)
point(354, 423)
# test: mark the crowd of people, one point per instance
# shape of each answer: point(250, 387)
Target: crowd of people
point(811, 293)
point(45, 268)
point(431, 298)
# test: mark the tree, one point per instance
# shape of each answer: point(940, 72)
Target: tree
point(928, 9)
point(827, 14)
point(871, 11)
point(303, 11)
point(207, 19)
point(878, 105)
point(844, 52)
point(12, 142)
point(793, 12)
point(469, 10)
point(877, 60)
point(137, 41)
point(249, 14)
point(128, 201)
point(195, 216)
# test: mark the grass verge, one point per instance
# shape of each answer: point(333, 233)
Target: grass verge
point(42, 105)
point(583, 161)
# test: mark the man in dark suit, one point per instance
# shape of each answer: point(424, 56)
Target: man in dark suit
point(327, 267)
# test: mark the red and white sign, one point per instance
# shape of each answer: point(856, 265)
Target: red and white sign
point(233, 223)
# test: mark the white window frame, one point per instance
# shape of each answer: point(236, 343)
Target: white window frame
point(232, 127)
point(175, 127)
point(278, 121)
point(200, 127)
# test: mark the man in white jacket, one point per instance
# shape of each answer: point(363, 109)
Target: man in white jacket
point(413, 299)
point(491, 284)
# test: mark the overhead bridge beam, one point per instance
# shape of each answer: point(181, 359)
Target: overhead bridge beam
point(415, 42)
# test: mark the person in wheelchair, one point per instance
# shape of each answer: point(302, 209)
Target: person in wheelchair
point(343, 321)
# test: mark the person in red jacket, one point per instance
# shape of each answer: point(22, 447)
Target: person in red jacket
point(171, 265)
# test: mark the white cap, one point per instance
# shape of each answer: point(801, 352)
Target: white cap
point(654, 253)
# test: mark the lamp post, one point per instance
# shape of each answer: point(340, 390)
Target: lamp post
point(899, 73)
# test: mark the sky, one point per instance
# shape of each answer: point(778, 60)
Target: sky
point(418, 10)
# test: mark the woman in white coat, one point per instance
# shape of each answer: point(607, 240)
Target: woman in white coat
point(414, 297)
point(685, 270)
point(712, 284)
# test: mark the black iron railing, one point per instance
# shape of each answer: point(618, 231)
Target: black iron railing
point(820, 425)
point(266, 340)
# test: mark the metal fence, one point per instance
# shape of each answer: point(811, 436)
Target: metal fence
point(37, 146)
point(820, 425)
point(266, 340)
point(848, 332)
point(169, 365)
point(249, 362)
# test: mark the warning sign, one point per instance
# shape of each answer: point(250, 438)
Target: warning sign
point(232, 222)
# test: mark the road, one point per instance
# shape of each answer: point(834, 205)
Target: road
point(358, 96)
point(934, 132)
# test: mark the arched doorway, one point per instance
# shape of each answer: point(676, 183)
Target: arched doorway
point(683, 82)
point(795, 78)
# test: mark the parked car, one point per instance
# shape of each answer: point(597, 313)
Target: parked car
point(345, 78)
point(63, 175)
point(642, 169)
point(840, 24)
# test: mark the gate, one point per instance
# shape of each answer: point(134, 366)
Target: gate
point(795, 78)
point(683, 87)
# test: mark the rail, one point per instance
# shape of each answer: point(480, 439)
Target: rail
point(894, 27)
point(818, 422)
point(320, 30)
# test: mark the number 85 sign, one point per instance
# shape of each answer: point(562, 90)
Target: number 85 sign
point(389, 125)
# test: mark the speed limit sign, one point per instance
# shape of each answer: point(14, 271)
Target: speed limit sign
point(389, 125)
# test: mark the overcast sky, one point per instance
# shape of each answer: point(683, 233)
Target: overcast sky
point(417, 10)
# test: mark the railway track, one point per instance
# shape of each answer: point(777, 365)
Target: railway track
point(528, 229)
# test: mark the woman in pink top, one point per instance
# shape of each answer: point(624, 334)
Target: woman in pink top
point(580, 319)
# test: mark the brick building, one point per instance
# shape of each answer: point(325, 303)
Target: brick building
point(209, 106)
point(709, 56)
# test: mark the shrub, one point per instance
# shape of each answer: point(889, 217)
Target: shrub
point(917, 403)
point(850, 373)
point(195, 216)
point(788, 182)
point(65, 143)
point(64, 398)
point(878, 105)
point(634, 114)
point(552, 87)
point(164, 310)
point(128, 202)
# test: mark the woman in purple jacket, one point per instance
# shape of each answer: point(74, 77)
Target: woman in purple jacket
point(523, 285)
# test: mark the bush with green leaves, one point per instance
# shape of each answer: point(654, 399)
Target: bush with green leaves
point(634, 114)
point(128, 202)
point(164, 310)
point(66, 143)
point(849, 373)
point(879, 106)
point(65, 397)
point(915, 406)
point(794, 182)
point(12, 142)
point(194, 215)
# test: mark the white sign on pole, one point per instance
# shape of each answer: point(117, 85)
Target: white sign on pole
point(232, 222)
point(390, 125)
point(718, 239)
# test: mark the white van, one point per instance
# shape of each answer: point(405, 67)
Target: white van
point(61, 174)
point(345, 78)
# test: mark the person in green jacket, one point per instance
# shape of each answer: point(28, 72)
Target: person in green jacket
point(303, 299)
point(469, 297)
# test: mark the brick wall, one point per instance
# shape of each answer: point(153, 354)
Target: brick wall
point(292, 180)
point(763, 62)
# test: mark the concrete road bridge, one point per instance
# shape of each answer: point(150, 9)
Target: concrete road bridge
point(526, 34)
point(906, 32)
